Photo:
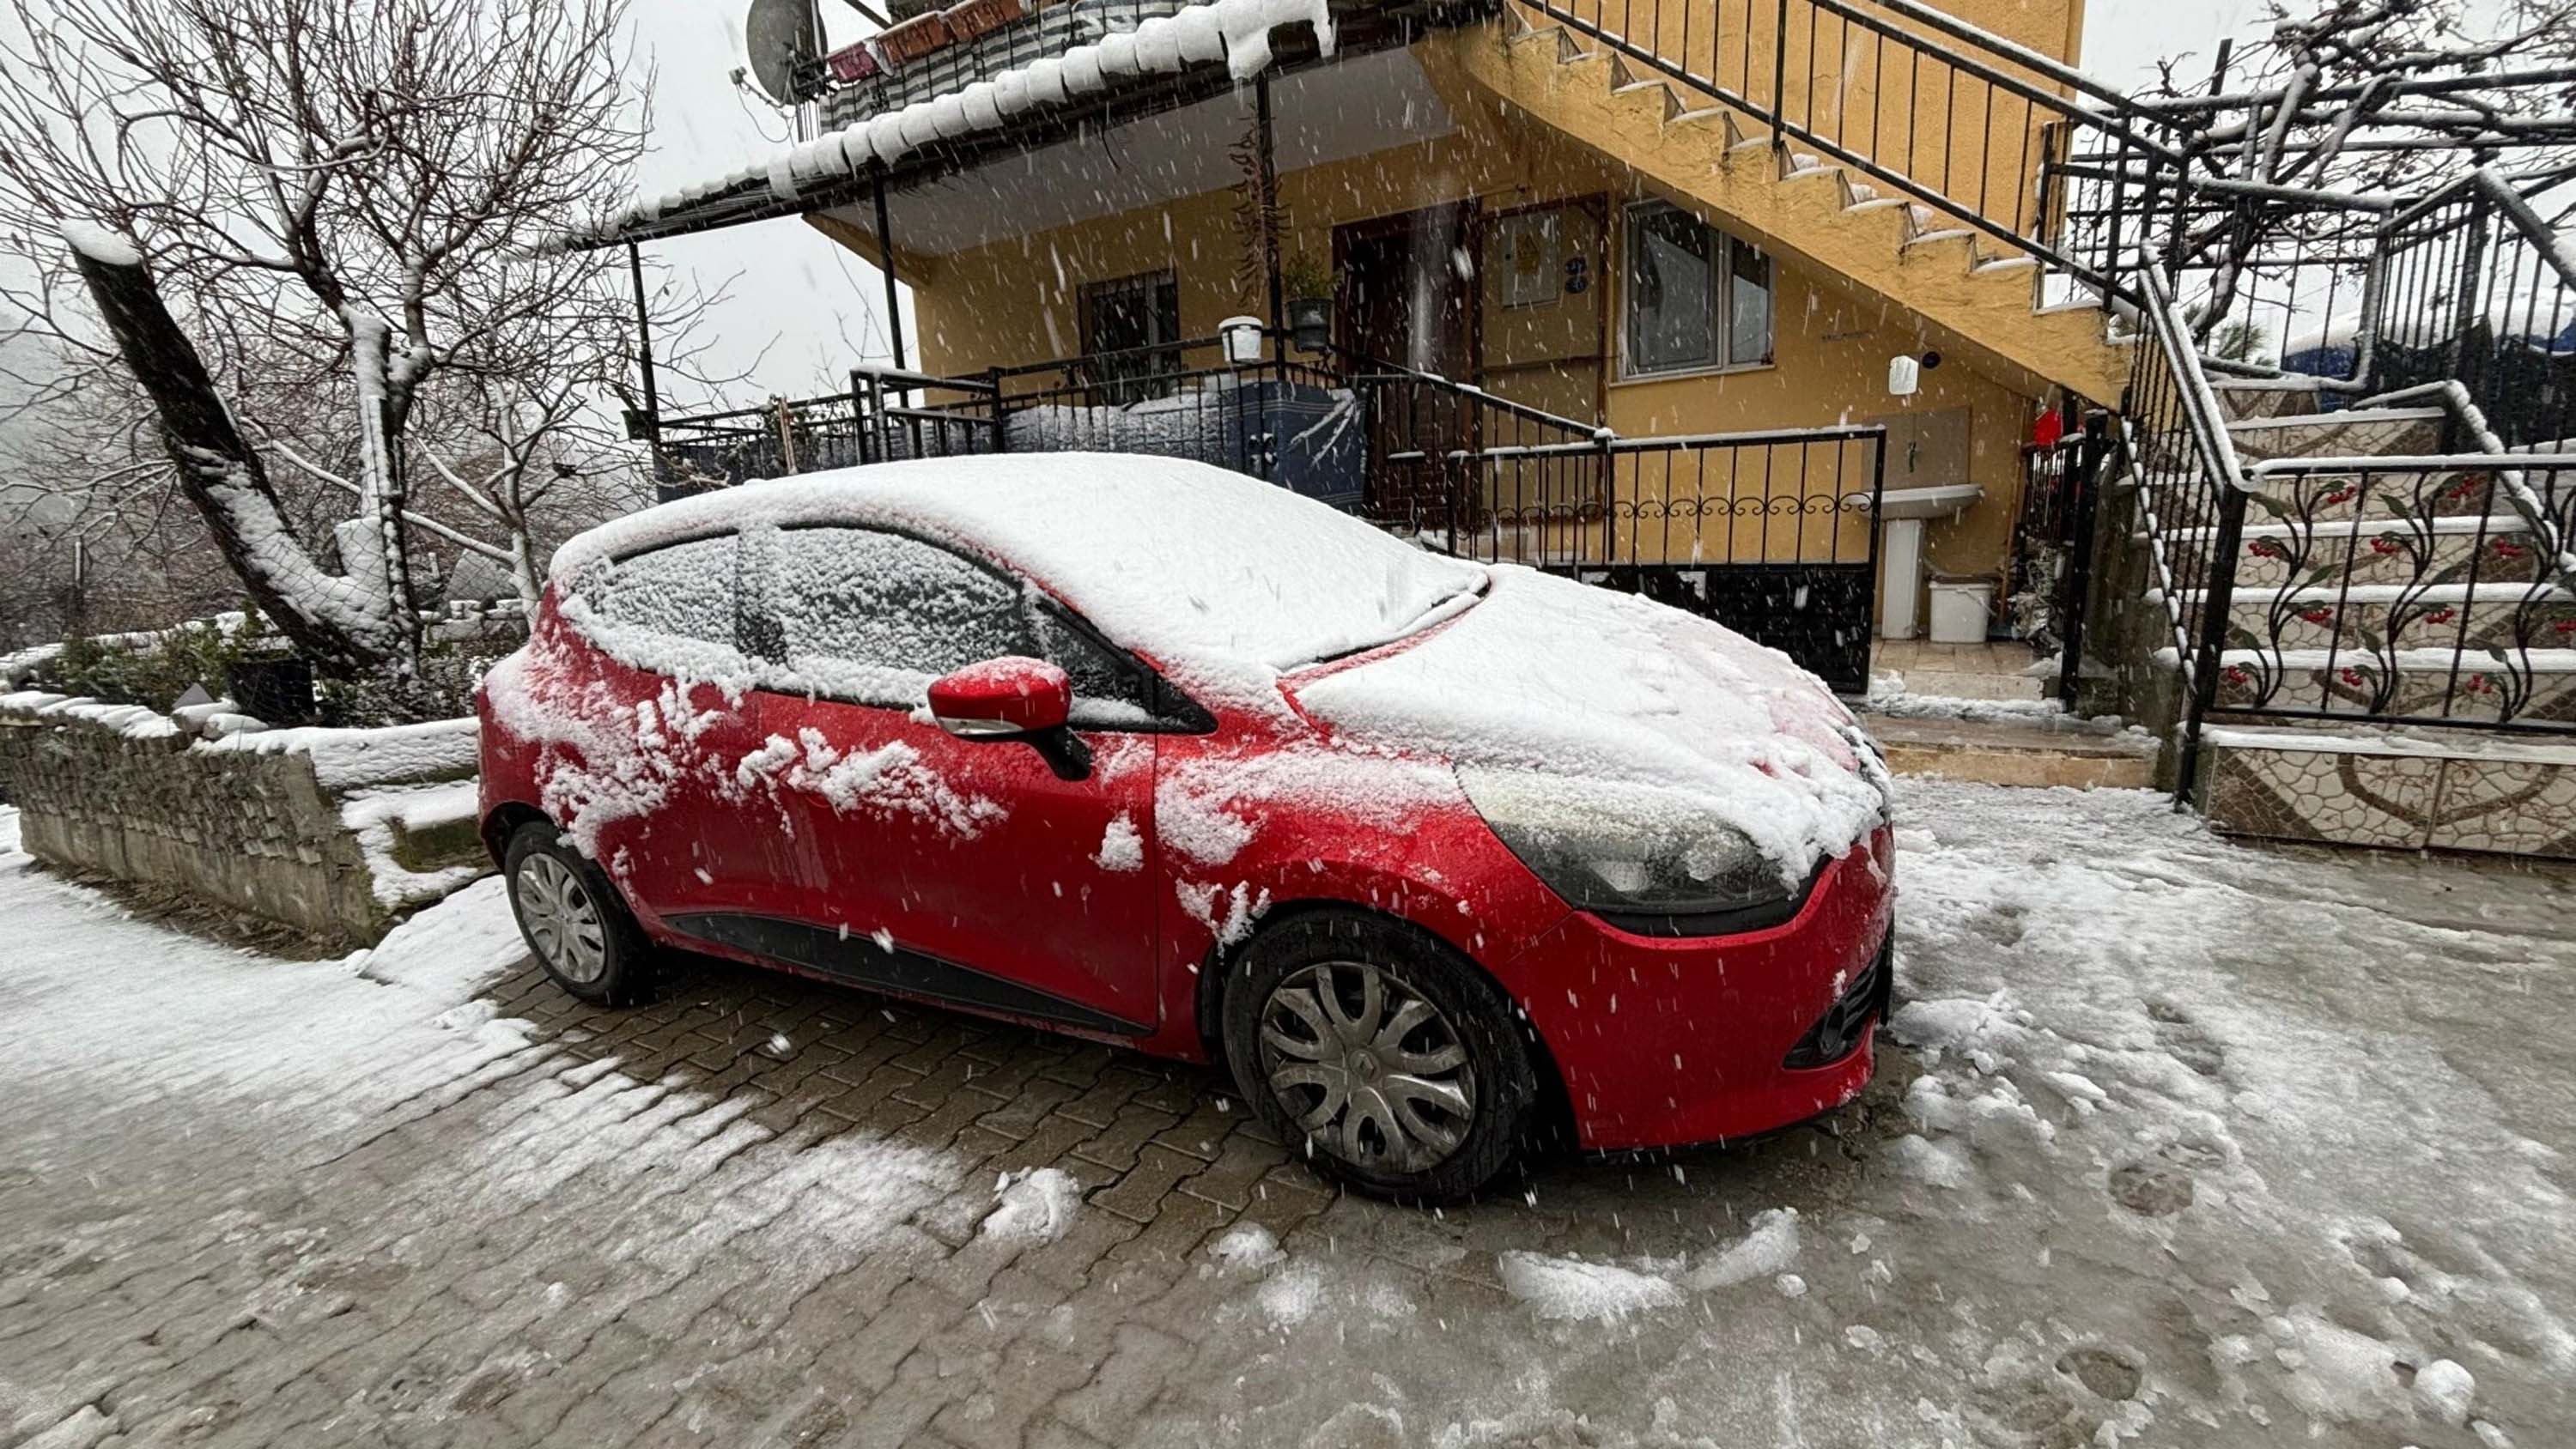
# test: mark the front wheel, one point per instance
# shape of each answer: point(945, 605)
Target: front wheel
point(573, 920)
point(1391, 1061)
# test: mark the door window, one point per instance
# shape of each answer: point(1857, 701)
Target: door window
point(1128, 327)
point(1698, 299)
point(874, 617)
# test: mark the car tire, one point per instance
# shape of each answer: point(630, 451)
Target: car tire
point(1325, 1012)
point(575, 923)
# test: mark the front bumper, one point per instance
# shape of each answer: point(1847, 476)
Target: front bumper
point(1666, 1041)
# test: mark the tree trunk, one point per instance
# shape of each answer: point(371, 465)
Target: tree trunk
point(382, 496)
point(343, 624)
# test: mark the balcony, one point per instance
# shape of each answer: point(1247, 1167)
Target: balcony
point(975, 41)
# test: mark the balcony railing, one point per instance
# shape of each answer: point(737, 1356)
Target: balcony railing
point(1772, 534)
point(1029, 31)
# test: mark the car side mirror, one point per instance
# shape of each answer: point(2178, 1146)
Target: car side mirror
point(1014, 698)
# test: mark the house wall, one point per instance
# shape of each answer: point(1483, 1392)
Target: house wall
point(1017, 301)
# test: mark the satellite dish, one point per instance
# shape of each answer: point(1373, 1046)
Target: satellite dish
point(785, 60)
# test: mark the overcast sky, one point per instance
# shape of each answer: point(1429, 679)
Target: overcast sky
point(801, 305)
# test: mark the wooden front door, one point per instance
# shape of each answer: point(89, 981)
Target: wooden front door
point(1407, 301)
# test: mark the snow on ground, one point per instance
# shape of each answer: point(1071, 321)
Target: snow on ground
point(129, 1011)
point(2187, 1143)
point(2178, 1142)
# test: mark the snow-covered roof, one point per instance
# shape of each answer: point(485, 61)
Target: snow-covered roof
point(1236, 32)
point(1222, 579)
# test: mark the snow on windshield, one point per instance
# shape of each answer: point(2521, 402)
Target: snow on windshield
point(1222, 579)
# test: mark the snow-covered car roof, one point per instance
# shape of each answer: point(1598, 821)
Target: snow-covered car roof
point(1223, 579)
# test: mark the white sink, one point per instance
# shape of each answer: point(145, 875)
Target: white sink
point(1946, 501)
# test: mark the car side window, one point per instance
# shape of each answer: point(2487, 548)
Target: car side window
point(1109, 689)
point(682, 591)
point(874, 617)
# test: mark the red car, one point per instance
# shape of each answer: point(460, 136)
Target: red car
point(1434, 857)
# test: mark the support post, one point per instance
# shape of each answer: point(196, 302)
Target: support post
point(644, 353)
point(2217, 597)
point(885, 255)
point(1269, 207)
point(2075, 594)
point(1780, 81)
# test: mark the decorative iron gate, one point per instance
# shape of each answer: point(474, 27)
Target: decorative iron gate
point(1774, 535)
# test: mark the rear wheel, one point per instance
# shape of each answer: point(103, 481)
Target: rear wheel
point(1392, 1062)
point(574, 921)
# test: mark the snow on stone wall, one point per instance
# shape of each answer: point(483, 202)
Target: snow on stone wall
point(335, 832)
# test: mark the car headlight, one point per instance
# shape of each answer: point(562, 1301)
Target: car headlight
point(1624, 850)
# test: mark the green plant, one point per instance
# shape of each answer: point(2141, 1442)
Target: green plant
point(155, 672)
point(1302, 276)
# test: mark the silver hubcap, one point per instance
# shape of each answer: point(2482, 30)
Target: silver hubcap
point(561, 919)
point(1366, 1067)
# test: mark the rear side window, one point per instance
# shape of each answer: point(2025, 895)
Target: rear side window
point(683, 592)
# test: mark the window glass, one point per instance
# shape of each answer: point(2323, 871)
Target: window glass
point(1672, 283)
point(1696, 297)
point(1749, 295)
point(685, 591)
point(1108, 688)
point(1123, 316)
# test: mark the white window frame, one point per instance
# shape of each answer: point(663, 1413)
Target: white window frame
point(1722, 318)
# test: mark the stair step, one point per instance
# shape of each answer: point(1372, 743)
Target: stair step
point(2012, 752)
point(2336, 419)
point(2352, 784)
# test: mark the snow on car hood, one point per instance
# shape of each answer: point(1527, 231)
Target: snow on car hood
point(1578, 682)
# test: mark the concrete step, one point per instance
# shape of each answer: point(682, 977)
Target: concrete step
point(2396, 789)
point(2245, 397)
point(2353, 433)
point(2038, 751)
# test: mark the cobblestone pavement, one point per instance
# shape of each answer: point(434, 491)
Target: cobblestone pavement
point(753, 1213)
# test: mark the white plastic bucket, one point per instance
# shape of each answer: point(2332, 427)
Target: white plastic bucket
point(1960, 609)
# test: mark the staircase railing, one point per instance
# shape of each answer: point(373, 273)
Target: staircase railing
point(2191, 499)
point(2477, 288)
point(1992, 136)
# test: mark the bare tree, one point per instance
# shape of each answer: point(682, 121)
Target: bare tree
point(2333, 112)
point(347, 206)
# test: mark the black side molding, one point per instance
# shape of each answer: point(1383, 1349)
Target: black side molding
point(860, 961)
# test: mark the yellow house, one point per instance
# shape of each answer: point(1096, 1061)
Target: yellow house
point(1557, 246)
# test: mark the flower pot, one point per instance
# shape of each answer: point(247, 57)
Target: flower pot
point(852, 64)
point(913, 39)
point(1310, 320)
point(974, 18)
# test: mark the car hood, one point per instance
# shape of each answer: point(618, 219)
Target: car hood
point(1584, 684)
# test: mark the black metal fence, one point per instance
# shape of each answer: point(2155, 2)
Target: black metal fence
point(2476, 288)
point(2053, 546)
point(1772, 534)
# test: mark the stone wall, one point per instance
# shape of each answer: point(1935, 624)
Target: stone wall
point(335, 832)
